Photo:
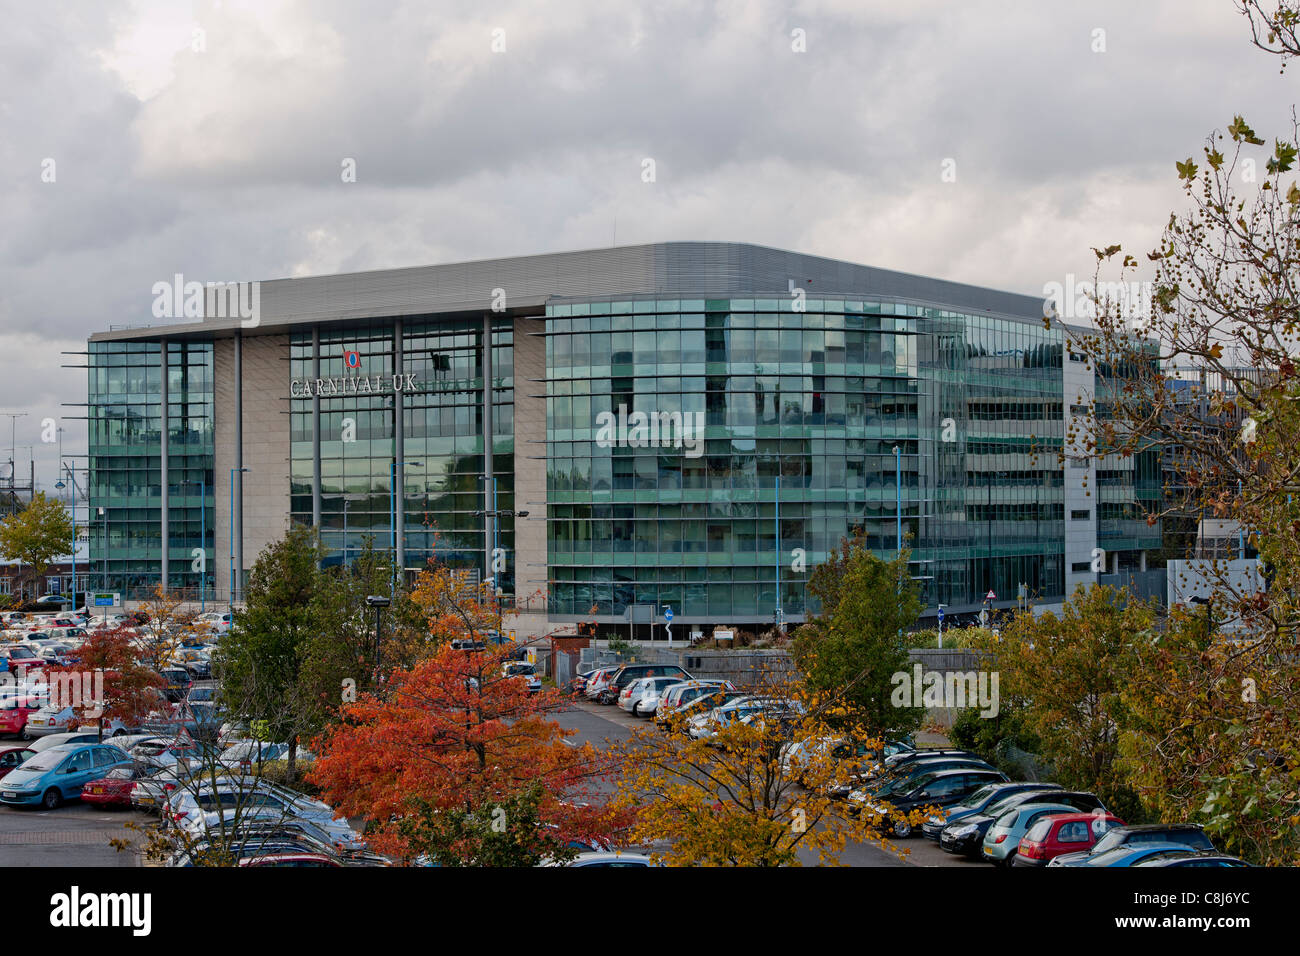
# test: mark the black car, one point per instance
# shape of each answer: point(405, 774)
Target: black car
point(630, 672)
point(978, 801)
point(939, 789)
point(178, 683)
point(966, 836)
point(901, 778)
point(1191, 834)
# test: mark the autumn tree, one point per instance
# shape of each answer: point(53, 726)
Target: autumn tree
point(167, 625)
point(1205, 377)
point(742, 796)
point(37, 534)
point(131, 690)
point(453, 761)
point(856, 643)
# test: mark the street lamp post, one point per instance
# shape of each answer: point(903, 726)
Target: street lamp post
point(497, 515)
point(72, 501)
point(232, 593)
point(898, 490)
point(378, 602)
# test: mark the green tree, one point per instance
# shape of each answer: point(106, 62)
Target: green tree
point(858, 642)
point(261, 660)
point(37, 534)
point(1066, 674)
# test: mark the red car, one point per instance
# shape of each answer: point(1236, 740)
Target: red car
point(12, 757)
point(114, 789)
point(14, 712)
point(1062, 833)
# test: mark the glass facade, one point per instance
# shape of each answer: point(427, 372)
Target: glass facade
point(444, 494)
point(125, 419)
point(813, 402)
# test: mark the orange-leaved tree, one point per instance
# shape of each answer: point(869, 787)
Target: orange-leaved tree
point(456, 762)
point(108, 681)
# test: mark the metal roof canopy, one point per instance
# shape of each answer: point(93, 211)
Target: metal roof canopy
point(668, 269)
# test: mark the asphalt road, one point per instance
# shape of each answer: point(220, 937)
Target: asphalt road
point(76, 834)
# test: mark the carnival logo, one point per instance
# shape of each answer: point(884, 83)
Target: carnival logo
point(352, 359)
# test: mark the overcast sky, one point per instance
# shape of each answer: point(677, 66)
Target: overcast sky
point(209, 139)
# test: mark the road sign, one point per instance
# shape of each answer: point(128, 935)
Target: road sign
point(106, 600)
point(984, 618)
point(668, 614)
point(990, 596)
point(940, 614)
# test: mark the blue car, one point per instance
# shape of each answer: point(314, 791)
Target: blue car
point(1131, 854)
point(59, 773)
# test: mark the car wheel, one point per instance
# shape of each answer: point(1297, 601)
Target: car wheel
point(902, 829)
point(1009, 861)
point(52, 799)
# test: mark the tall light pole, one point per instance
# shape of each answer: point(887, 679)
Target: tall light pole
point(231, 602)
point(72, 501)
point(392, 515)
point(13, 445)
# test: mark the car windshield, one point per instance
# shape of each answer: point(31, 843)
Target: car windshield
point(976, 798)
point(44, 761)
point(1111, 840)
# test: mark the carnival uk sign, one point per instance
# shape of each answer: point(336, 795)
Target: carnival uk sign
point(352, 385)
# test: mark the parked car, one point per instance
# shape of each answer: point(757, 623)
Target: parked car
point(51, 719)
point(16, 656)
point(630, 672)
point(966, 836)
point(197, 663)
point(1185, 834)
point(1002, 840)
point(976, 802)
point(937, 789)
point(218, 622)
point(200, 808)
point(114, 788)
point(11, 758)
point(71, 737)
point(1131, 854)
point(1180, 858)
point(706, 725)
point(1063, 833)
point(679, 718)
point(178, 684)
point(246, 755)
point(15, 711)
point(597, 681)
point(683, 692)
point(525, 670)
point(901, 780)
point(57, 600)
point(52, 776)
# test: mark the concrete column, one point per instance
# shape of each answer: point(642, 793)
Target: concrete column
point(488, 520)
point(164, 501)
point(315, 430)
point(399, 449)
point(236, 586)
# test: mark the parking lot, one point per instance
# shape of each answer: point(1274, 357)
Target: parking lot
point(76, 834)
point(598, 723)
